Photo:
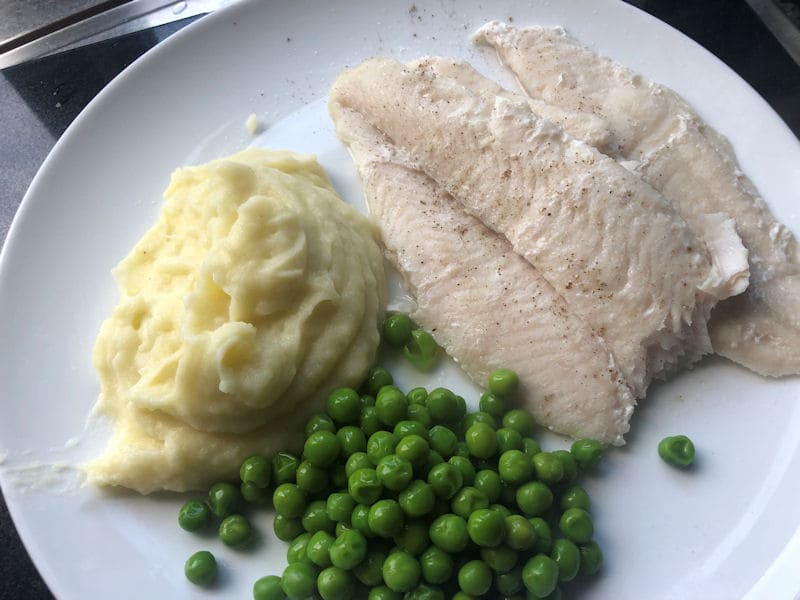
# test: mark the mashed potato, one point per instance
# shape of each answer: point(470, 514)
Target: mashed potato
point(256, 292)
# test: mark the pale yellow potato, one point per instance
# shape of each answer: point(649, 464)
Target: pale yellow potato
point(257, 291)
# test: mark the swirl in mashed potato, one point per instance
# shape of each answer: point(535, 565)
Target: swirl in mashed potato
point(256, 292)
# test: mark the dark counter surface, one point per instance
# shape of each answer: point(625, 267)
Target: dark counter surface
point(39, 99)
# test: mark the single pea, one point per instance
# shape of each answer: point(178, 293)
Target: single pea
point(348, 550)
point(459, 595)
point(503, 382)
point(334, 583)
point(319, 422)
point(481, 440)
point(501, 508)
point(520, 534)
point(235, 531)
point(401, 572)
point(392, 405)
point(422, 351)
point(587, 453)
point(486, 527)
point(442, 440)
point(449, 532)
point(591, 558)
point(492, 404)
point(534, 498)
point(418, 395)
point(413, 448)
point(351, 440)
point(576, 525)
point(311, 479)
point(515, 468)
point(475, 578)
point(382, 592)
point(289, 500)
point(322, 448)
point(386, 518)
point(544, 535)
point(508, 439)
point(370, 423)
point(530, 447)
point(437, 565)
point(319, 548)
point(419, 414)
point(364, 486)
point(418, 499)
point(377, 378)
point(568, 464)
point(256, 470)
point(340, 506)
point(510, 583)
point(297, 548)
point(404, 428)
point(397, 330)
point(286, 529)
point(540, 575)
point(380, 444)
point(479, 417)
point(574, 497)
point(315, 518)
point(356, 461)
point(520, 420)
point(360, 520)
point(223, 499)
point(341, 527)
point(413, 538)
point(201, 568)
point(370, 570)
point(443, 406)
point(268, 588)
point(568, 558)
point(299, 581)
point(395, 473)
point(194, 515)
point(488, 482)
point(445, 479)
point(500, 559)
point(425, 592)
point(344, 405)
point(548, 467)
point(465, 466)
point(422, 469)
point(468, 500)
point(676, 450)
point(284, 468)
point(255, 495)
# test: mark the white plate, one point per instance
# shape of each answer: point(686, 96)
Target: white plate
point(720, 531)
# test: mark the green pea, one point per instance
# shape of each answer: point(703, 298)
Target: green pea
point(286, 529)
point(344, 405)
point(475, 578)
point(437, 565)
point(256, 470)
point(488, 482)
point(591, 558)
point(341, 527)
point(501, 508)
point(334, 583)
point(370, 422)
point(544, 535)
point(284, 468)
point(520, 420)
point(486, 527)
point(194, 515)
point(201, 568)
point(587, 453)
point(442, 440)
point(479, 417)
point(515, 468)
point(377, 378)
point(568, 558)
point(297, 548)
point(339, 506)
point(223, 499)
point(289, 500)
point(360, 520)
point(418, 499)
point(315, 518)
point(534, 498)
point(540, 575)
point(459, 595)
point(481, 440)
point(367, 400)
point(404, 428)
point(425, 592)
point(574, 497)
point(394, 472)
point(449, 532)
point(322, 448)
point(413, 448)
point(503, 382)
point(443, 406)
point(568, 464)
point(492, 404)
point(445, 479)
point(253, 494)
point(351, 440)
point(468, 500)
point(423, 468)
point(392, 405)
point(676, 450)
point(500, 559)
point(364, 486)
point(397, 330)
point(356, 461)
point(382, 592)
point(508, 584)
point(370, 570)
point(401, 572)
point(461, 450)
point(413, 538)
point(299, 581)
point(319, 422)
point(548, 467)
point(465, 466)
point(235, 531)
point(576, 525)
point(418, 395)
point(311, 479)
point(520, 534)
point(348, 550)
point(422, 351)
point(380, 444)
point(508, 439)
point(420, 414)
point(318, 549)
point(530, 447)
point(385, 518)
point(268, 588)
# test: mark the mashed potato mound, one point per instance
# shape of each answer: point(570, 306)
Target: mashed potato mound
point(256, 292)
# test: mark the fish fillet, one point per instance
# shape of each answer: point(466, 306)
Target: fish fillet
point(488, 306)
point(625, 262)
point(687, 161)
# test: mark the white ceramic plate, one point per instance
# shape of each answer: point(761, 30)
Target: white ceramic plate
point(721, 531)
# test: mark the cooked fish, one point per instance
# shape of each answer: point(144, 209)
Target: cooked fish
point(624, 261)
point(691, 164)
point(487, 305)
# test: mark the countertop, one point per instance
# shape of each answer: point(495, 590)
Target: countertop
point(39, 99)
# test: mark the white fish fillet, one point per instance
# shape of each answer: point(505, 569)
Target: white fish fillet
point(691, 164)
point(625, 262)
point(487, 305)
